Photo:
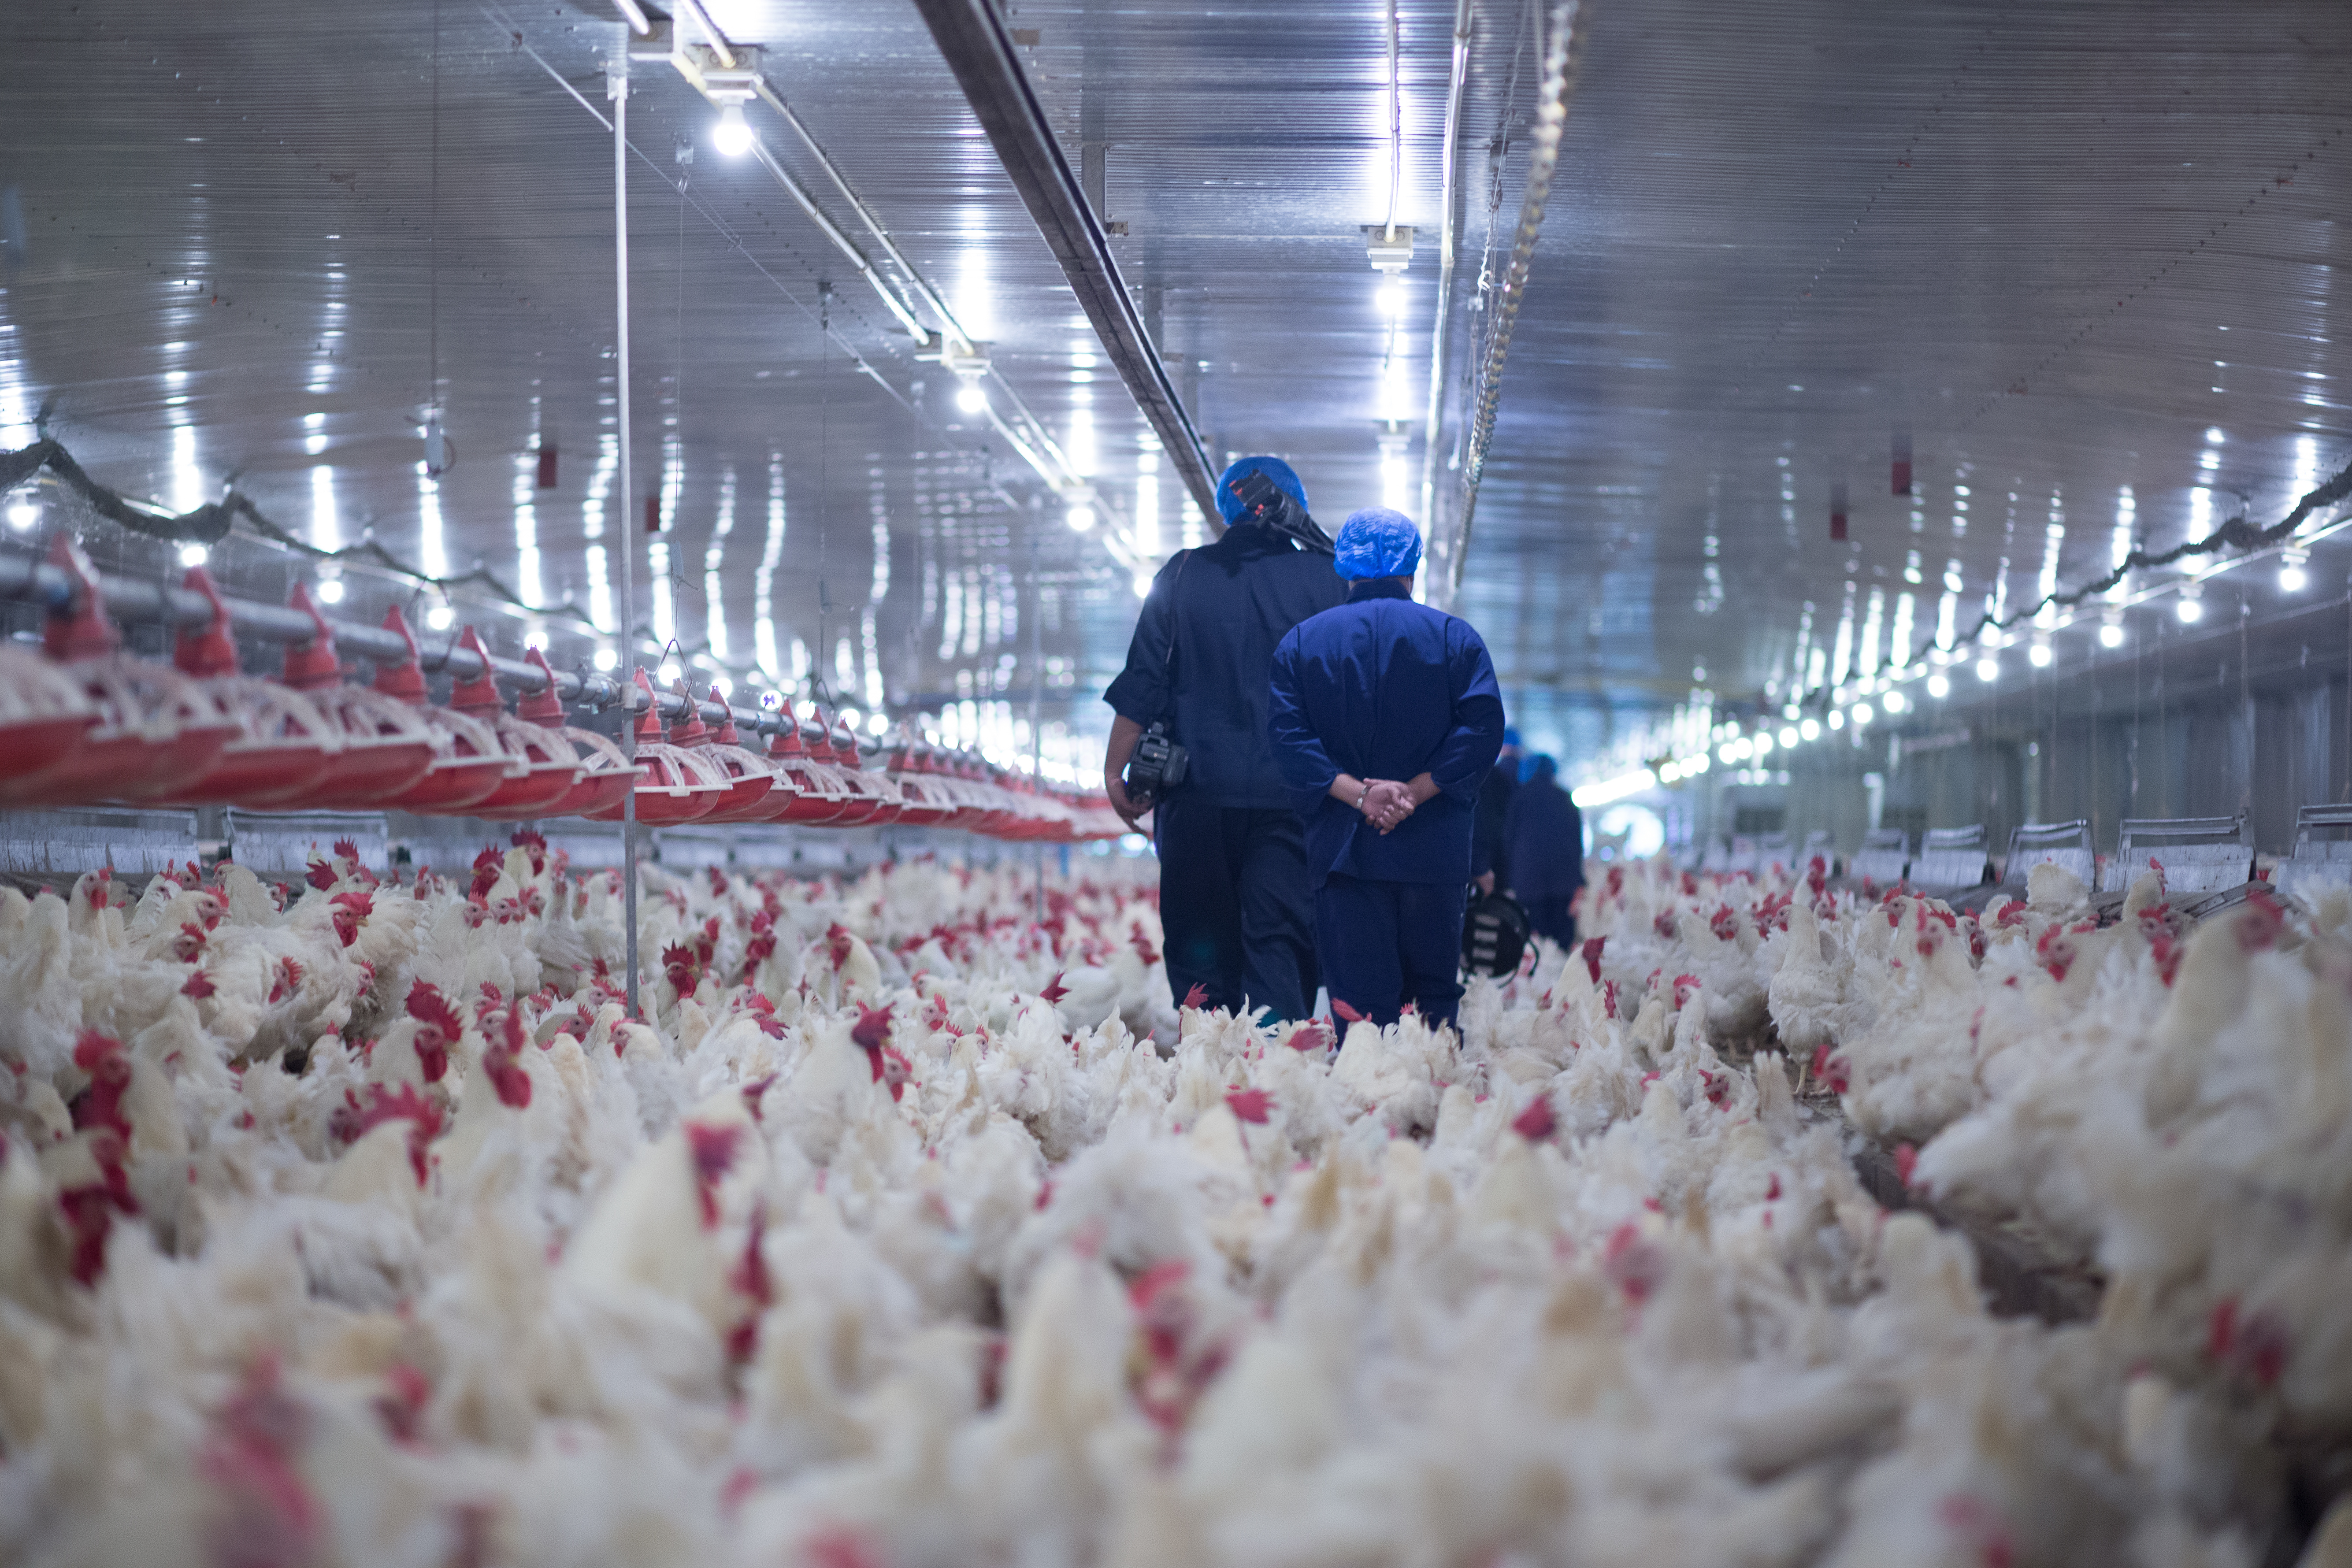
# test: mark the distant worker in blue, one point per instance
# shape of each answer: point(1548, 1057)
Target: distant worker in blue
point(1236, 907)
point(1543, 838)
point(1386, 719)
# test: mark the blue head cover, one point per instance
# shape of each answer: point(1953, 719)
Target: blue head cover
point(1510, 737)
point(1378, 542)
point(1275, 469)
point(1538, 766)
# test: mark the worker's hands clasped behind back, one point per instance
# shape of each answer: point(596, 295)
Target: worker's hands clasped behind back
point(1386, 804)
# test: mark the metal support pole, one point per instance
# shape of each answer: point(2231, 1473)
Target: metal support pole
point(1037, 687)
point(616, 87)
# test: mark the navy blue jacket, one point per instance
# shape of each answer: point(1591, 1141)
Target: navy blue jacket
point(1543, 840)
point(1226, 604)
point(1382, 687)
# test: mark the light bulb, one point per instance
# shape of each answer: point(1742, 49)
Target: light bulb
point(732, 134)
point(1762, 746)
point(1788, 736)
point(1938, 688)
point(1081, 518)
point(606, 658)
point(439, 617)
point(1390, 299)
point(669, 674)
point(1987, 669)
point(2188, 610)
point(1811, 730)
point(1143, 585)
point(876, 724)
point(2111, 635)
point(1837, 719)
point(2038, 656)
point(193, 555)
point(1863, 713)
point(971, 398)
point(2292, 577)
point(331, 591)
point(1895, 702)
point(23, 514)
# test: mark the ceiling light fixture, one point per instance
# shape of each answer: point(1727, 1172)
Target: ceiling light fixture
point(2038, 656)
point(193, 554)
point(1938, 688)
point(2293, 579)
point(2188, 609)
point(1080, 517)
point(1987, 669)
point(732, 134)
point(331, 591)
point(971, 399)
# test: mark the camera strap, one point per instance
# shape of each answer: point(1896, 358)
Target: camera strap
point(1175, 624)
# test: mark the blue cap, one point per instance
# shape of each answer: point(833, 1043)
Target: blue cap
point(1378, 542)
point(1275, 469)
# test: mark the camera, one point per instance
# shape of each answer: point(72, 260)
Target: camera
point(1156, 767)
point(1269, 503)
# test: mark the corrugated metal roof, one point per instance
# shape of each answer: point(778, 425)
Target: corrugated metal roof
point(2062, 243)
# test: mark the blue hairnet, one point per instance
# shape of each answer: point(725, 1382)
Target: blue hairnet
point(1511, 736)
point(1538, 766)
point(1378, 542)
point(1275, 469)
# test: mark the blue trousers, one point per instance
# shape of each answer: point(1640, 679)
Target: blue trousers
point(1383, 944)
point(1235, 904)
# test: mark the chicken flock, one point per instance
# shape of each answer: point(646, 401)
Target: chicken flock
point(356, 1223)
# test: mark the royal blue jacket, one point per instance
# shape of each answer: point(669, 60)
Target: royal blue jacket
point(1222, 609)
point(1382, 687)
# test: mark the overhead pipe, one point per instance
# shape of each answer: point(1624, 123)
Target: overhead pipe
point(1435, 425)
point(972, 40)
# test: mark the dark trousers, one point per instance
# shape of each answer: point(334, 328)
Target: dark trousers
point(1549, 917)
point(1235, 905)
point(1383, 944)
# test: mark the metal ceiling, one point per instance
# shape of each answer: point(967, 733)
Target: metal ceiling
point(2072, 247)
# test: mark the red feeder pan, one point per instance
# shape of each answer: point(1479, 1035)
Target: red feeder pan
point(753, 780)
point(550, 763)
point(386, 746)
point(286, 745)
point(43, 714)
point(820, 795)
point(604, 773)
point(469, 762)
point(674, 784)
point(156, 726)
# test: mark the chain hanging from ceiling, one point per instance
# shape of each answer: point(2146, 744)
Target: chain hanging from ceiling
point(1563, 36)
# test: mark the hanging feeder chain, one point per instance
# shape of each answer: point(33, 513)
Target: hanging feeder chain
point(1560, 53)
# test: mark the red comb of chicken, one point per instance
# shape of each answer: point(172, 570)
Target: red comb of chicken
point(428, 1006)
point(713, 1149)
point(501, 1060)
point(102, 1058)
point(353, 1119)
point(1249, 1104)
point(872, 1031)
point(1349, 1015)
point(1309, 1036)
point(199, 986)
point(1054, 990)
point(1197, 995)
point(836, 944)
point(288, 980)
point(1537, 1122)
point(346, 851)
point(319, 875)
point(895, 1072)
